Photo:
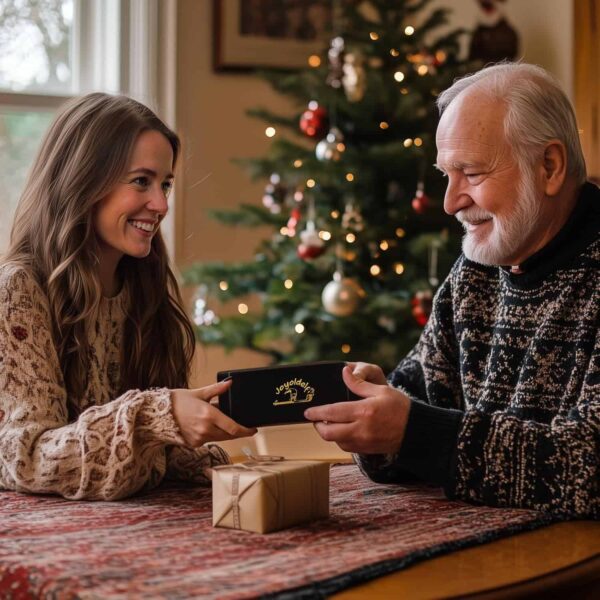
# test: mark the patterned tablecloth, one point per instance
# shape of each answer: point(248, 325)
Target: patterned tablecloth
point(162, 544)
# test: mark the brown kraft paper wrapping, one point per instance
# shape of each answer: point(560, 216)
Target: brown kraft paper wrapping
point(271, 495)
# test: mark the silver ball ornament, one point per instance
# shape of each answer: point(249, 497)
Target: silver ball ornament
point(342, 296)
point(331, 147)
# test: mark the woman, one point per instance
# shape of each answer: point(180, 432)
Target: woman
point(95, 347)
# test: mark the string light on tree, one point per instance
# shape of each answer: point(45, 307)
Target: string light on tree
point(242, 308)
point(201, 314)
point(270, 132)
point(299, 328)
point(314, 60)
point(346, 348)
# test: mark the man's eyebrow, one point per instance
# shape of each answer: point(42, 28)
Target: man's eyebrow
point(458, 165)
point(150, 172)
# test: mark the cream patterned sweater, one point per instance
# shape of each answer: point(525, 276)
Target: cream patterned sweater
point(99, 446)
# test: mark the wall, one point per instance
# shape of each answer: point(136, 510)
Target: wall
point(214, 128)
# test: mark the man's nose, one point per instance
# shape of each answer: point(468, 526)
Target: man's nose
point(456, 197)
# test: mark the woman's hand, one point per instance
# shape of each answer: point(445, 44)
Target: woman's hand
point(367, 372)
point(199, 421)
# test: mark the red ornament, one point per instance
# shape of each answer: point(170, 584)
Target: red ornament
point(306, 252)
point(421, 307)
point(420, 202)
point(312, 245)
point(314, 121)
point(293, 221)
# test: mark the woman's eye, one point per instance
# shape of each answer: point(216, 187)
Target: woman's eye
point(141, 181)
point(472, 175)
point(167, 186)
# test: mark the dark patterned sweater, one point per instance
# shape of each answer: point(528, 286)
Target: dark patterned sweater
point(505, 380)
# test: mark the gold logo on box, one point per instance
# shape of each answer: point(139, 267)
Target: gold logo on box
point(294, 391)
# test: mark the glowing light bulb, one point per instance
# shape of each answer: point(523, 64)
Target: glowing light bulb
point(325, 235)
point(288, 284)
point(409, 30)
point(374, 36)
point(299, 328)
point(310, 183)
point(270, 132)
point(346, 348)
point(242, 308)
point(349, 177)
point(224, 285)
point(400, 232)
point(314, 61)
point(384, 245)
point(399, 268)
point(350, 238)
point(399, 76)
point(375, 270)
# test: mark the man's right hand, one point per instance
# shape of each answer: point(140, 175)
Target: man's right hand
point(199, 421)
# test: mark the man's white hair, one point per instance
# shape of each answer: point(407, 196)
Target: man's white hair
point(537, 111)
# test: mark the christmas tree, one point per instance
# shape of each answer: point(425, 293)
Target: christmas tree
point(360, 240)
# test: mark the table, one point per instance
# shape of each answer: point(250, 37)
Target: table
point(161, 544)
point(564, 557)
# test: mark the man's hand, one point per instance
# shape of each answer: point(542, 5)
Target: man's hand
point(368, 372)
point(373, 425)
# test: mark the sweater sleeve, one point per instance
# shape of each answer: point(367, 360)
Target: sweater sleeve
point(188, 464)
point(109, 452)
point(429, 445)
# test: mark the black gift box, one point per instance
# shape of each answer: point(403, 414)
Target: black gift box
point(281, 394)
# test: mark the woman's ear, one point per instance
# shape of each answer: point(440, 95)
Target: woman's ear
point(554, 167)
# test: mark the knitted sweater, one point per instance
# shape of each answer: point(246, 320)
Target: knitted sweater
point(99, 446)
point(505, 380)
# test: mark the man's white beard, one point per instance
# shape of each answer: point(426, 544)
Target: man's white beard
point(509, 233)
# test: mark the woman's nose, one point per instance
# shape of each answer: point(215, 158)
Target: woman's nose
point(158, 201)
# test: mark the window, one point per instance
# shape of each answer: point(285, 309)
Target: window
point(53, 49)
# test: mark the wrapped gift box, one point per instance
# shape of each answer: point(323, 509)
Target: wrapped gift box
point(281, 394)
point(268, 495)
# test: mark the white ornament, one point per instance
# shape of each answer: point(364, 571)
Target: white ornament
point(342, 296)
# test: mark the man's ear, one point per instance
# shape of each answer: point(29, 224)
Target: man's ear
point(554, 167)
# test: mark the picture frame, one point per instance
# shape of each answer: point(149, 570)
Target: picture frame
point(282, 34)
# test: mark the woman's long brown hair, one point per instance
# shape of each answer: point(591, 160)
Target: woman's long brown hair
point(82, 157)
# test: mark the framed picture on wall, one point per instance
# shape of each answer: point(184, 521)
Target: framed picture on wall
point(268, 33)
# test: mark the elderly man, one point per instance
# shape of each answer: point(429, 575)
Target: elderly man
point(499, 402)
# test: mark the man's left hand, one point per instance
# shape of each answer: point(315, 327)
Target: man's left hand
point(373, 425)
